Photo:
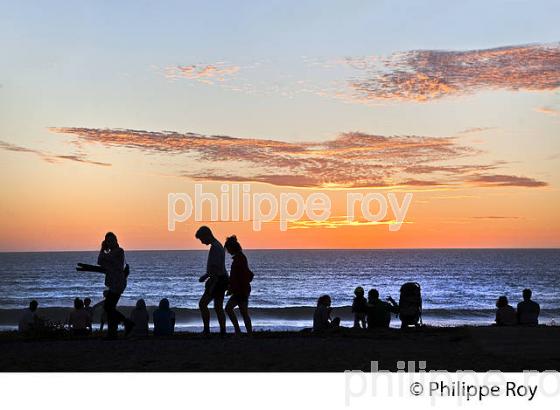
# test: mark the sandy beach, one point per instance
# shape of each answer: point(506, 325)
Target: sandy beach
point(460, 348)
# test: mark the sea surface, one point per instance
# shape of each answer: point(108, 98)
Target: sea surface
point(459, 286)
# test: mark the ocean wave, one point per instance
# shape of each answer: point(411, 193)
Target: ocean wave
point(282, 314)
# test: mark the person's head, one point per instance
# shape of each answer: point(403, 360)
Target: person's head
point(359, 292)
point(502, 302)
point(373, 294)
point(527, 293)
point(141, 304)
point(87, 302)
point(324, 300)
point(204, 235)
point(111, 241)
point(33, 305)
point(232, 246)
point(78, 304)
point(164, 304)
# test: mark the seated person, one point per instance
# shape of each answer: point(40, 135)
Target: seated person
point(29, 321)
point(322, 316)
point(359, 308)
point(528, 310)
point(80, 320)
point(378, 311)
point(505, 315)
point(139, 315)
point(164, 319)
point(88, 308)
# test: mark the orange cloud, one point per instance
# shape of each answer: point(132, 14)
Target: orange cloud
point(351, 160)
point(506, 180)
point(429, 74)
point(52, 158)
point(548, 111)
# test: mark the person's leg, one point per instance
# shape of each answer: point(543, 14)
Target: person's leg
point(356, 320)
point(335, 323)
point(110, 307)
point(244, 309)
point(204, 312)
point(219, 308)
point(230, 305)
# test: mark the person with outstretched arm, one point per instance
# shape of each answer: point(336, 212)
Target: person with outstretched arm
point(216, 279)
point(111, 261)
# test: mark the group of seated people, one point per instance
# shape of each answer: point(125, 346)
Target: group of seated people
point(80, 319)
point(374, 313)
point(527, 312)
point(368, 313)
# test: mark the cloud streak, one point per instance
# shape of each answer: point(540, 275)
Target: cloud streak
point(351, 160)
point(506, 180)
point(51, 158)
point(204, 73)
point(548, 111)
point(424, 75)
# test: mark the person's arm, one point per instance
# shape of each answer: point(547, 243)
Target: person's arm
point(393, 306)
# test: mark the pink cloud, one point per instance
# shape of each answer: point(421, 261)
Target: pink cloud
point(430, 74)
point(352, 159)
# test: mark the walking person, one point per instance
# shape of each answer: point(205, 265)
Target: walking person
point(239, 285)
point(216, 279)
point(112, 261)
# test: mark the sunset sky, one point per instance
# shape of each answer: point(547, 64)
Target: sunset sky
point(106, 107)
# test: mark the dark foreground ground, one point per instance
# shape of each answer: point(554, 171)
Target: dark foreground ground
point(462, 348)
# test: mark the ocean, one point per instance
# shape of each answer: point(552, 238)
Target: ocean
point(459, 286)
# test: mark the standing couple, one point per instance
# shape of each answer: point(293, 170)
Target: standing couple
point(218, 284)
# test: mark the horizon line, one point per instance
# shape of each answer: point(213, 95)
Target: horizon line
point(291, 249)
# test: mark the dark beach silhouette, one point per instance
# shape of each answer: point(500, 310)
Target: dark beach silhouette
point(359, 308)
point(140, 317)
point(239, 285)
point(505, 314)
point(215, 278)
point(79, 320)
point(378, 311)
point(322, 317)
point(528, 311)
point(111, 262)
point(164, 319)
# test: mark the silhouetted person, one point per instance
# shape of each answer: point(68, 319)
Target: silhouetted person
point(164, 319)
point(322, 316)
point(112, 261)
point(359, 308)
point(240, 277)
point(379, 311)
point(89, 309)
point(29, 320)
point(139, 315)
point(528, 311)
point(505, 314)
point(79, 320)
point(216, 278)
